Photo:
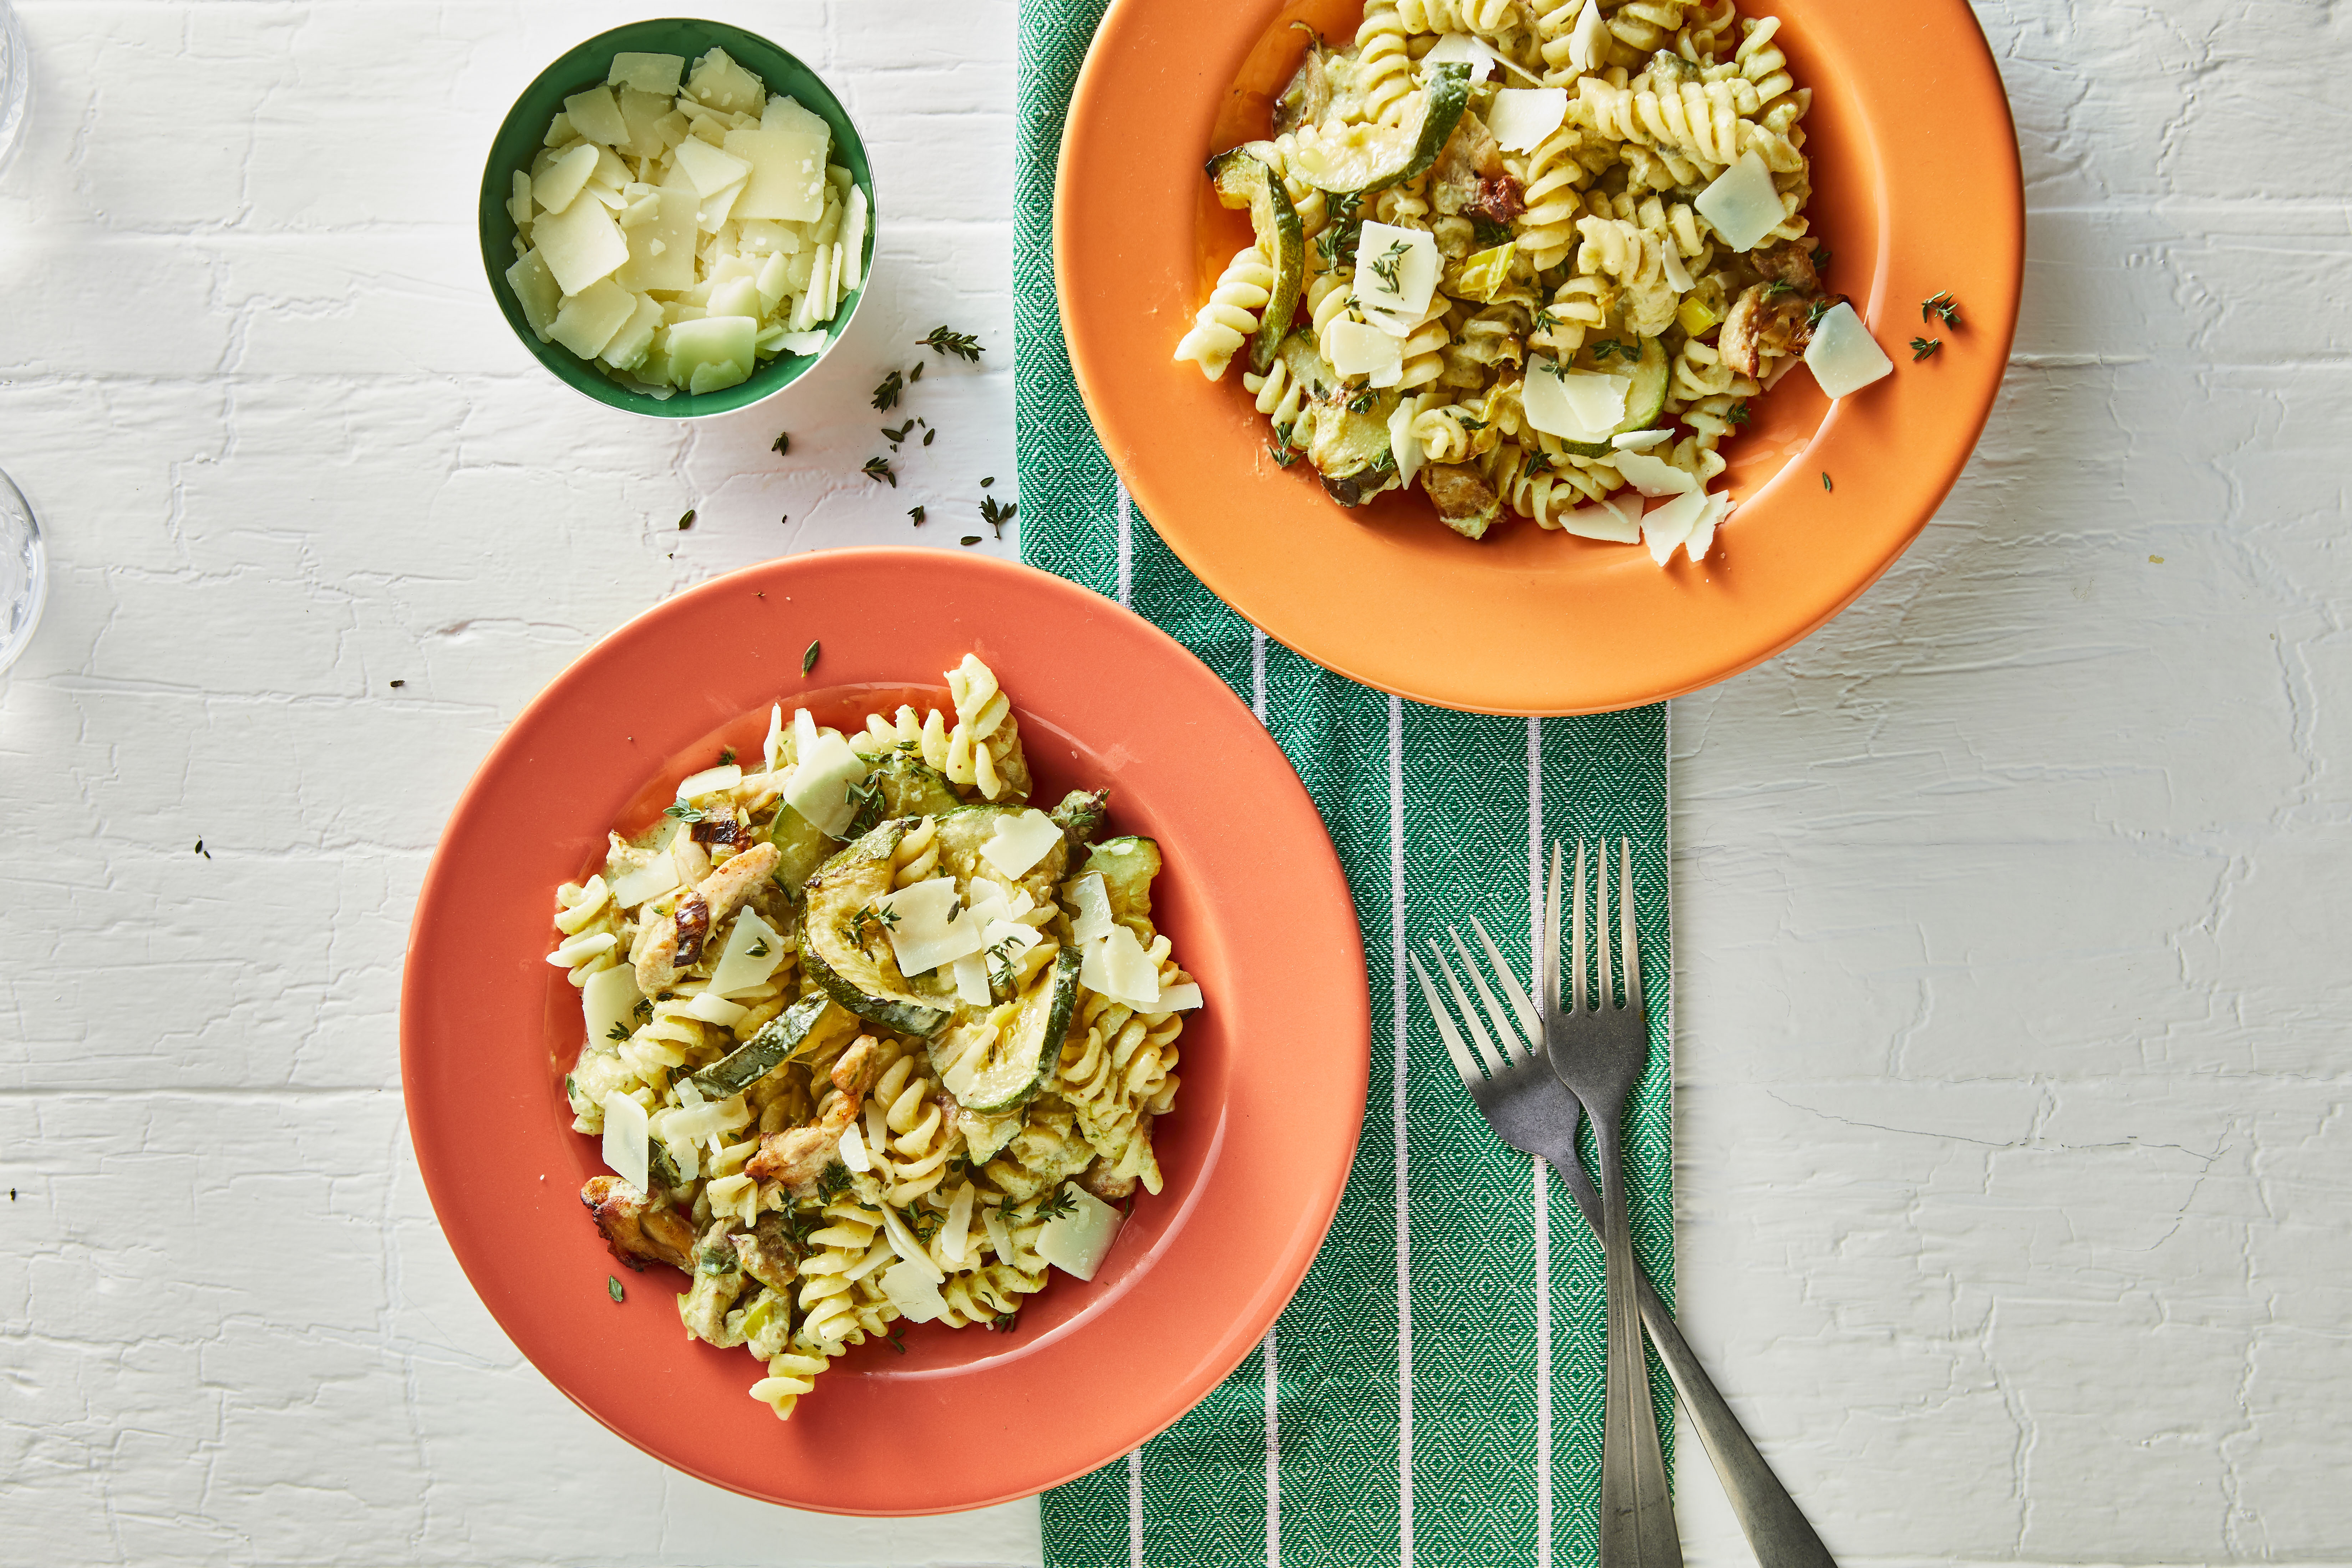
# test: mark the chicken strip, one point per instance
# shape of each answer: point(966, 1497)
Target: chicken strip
point(638, 1230)
point(675, 941)
point(768, 1253)
point(798, 1156)
point(1775, 317)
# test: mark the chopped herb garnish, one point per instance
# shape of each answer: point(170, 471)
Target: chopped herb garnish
point(899, 435)
point(984, 484)
point(928, 435)
point(1923, 346)
point(996, 513)
point(1545, 322)
point(397, 685)
point(1609, 347)
point(1000, 962)
point(833, 1183)
point(916, 374)
point(1466, 422)
point(570, 1088)
point(963, 345)
point(1736, 414)
point(1004, 1323)
point(613, 1286)
point(200, 849)
point(1821, 308)
point(1363, 400)
point(1284, 456)
point(1821, 259)
point(726, 756)
point(644, 1009)
point(886, 396)
point(1942, 305)
point(879, 469)
point(681, 811)
point(618, 1031)
point(916, 513)
point(1384, 266)
point(1062, 1202)
point(758, 949)
point(808, 657)
point(891, 1339)
point(1825, 480)
point(1490, 233)
point(1778, 287)
point(969, 539)
point(686, 521)
point(783, 443)
point(867, 920)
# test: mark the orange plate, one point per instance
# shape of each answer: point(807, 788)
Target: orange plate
point(1917, 191)
point(1254, 1154)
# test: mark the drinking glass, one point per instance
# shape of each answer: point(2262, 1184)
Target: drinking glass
point(24, 573)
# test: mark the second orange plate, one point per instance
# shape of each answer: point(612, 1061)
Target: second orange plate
point(1916, 191)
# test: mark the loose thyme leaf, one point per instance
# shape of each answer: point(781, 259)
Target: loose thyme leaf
point(1825, 480)
point(1283, 455)
point(963, 345)
point(1778, 287)
point(1923, 346)
point(397, 685)
point(1736, 414)
point(1545, 322)
point(1821, 259)
point(916, 374)
point(1363, 400)
point(613, 1286)
point(1004, 1323)
point(683, 812)
point(916, 513)
point(618, 1031)
point(808, 659)
point(886, 396)
point(1060, 1204)
point(1819, 308)
point(1942, 305)
point(928, 436)
point(726, 755)
point(899, 435)
point(1384, 266)
point(1608, 348)
point(879, 469)
point(783, 443)
point(758, 949)
point(969, 539)
point(686, 521)
point(201, 850)
point(984, 484)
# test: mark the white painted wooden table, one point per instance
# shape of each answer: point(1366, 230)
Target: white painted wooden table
point(2016, 1203)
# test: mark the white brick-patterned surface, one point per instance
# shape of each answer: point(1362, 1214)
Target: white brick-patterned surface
point(2016, 1193)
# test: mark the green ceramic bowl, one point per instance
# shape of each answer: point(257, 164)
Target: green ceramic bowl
point(524, 131)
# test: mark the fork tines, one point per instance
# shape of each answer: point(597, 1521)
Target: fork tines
point(1626, 973)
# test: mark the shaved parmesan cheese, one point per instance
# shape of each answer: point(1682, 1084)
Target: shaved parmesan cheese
point(1702, 534)
point(596, 116)
point(1640, 440)
point(1676, 272)
point(1461, 49)
point(537, 292)
point(1020, 842)
point(709, 780)
point(752, 952)
point(656, 74)
point(1022, 937)
point(711, 169)
point(628, 346)
point(903, 1242)
point(1404, 444)
point(1587, 43)
point(609, 1000)
point(1627, 505)
point(1415, 267)
point(580, 244)
point(802, 342)
point(805, 733)
point(1667, 524)
point(771, 750)
point(562, 180)
point(852, 237)
point(1090, 902)
point(1653, 477)
point(971, 980)
point(1180, 999)
point(1843, 356)
point(784, 113)
point(958, 1228)
point(989, 900)
point(1077, 1240)
point(626, 1152)
point(853, 1149)
point(1127, 972)
point(914, 1292)
point(821, 781)
point(923, 937)
point(588, 320)
point(1361, 350)
point(716, 1010)
point(1601, 522)
point(1575, 406)
point(1743, 204)
point(1524, 115)
point(651, 880)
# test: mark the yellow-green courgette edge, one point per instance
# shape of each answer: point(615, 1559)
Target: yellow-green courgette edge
point(777, 1041)
point(1361, 158)
point(1244, 180)
point(1027, 1052)
point(837, 949)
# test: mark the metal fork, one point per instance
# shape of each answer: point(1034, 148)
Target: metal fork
point(1531, 1110)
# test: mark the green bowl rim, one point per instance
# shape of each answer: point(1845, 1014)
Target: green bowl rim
point(496, 226)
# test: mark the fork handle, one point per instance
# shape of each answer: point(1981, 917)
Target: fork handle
point(1776, 1528)
point(1637, 1511)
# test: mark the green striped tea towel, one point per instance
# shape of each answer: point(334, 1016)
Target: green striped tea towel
point(1433, 1393)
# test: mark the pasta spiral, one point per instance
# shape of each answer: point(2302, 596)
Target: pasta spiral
point(1229, 318)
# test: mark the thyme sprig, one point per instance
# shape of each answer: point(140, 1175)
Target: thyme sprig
point(964, 346)
point(1942, 305)
point(1384, 266)
point(996, 513)
point(1923, 346)
point(887, 395)
point(879, 469)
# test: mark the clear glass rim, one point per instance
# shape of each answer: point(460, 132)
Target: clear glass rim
point(13, 504)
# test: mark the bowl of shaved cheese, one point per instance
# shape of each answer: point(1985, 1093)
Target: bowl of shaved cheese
point(677, 218)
